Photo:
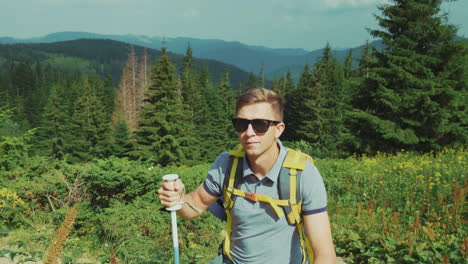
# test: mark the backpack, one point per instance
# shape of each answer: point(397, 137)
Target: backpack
point(289, 200)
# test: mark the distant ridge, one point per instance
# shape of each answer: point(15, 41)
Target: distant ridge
point(102, 53)
point(246, 57)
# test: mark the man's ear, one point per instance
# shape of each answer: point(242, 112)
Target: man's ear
point(279, 129)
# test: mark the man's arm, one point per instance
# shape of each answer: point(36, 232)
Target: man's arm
point(318, 232)
point(195, 203)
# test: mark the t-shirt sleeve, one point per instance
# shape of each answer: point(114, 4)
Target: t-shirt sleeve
point(314, 195)
point(213, 183)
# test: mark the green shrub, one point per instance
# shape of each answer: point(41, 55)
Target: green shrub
point(12, 209)
point(403, 208)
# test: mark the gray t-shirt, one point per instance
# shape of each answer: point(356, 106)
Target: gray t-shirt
point(258, 236)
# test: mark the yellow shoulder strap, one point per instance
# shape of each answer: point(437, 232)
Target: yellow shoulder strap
point(295, 159)
point(238, 151)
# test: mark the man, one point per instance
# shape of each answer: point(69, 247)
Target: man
point(258, 235)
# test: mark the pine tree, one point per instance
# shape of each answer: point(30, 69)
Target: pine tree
point(252, 81)
point(416, 87)
point(24, 86)
point(142, 79)
point(367, 61)
point(193, 85)
point(53, 135)
point(348, 65)
point(89, 125)
point(261, 77)
point(187, 74)
point(228, 112)
point(361, 96)
point(324, 105)
point(106, 92)
point(294, 103)
point(128, 100)
point(286, 83)
point(121, 144)
point(215, 124)
point(306, 78)
point(275, 84)
point(164, 134)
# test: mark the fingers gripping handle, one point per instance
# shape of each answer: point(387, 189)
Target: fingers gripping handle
point(172, 178)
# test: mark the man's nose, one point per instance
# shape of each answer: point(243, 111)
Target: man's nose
point(250, 131)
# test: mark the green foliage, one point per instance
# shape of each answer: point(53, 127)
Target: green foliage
point(416, 82)
point(71, 64)
point(215, 125)
point(118, 179)
point(90, 128)
point(121, 144)
point(303, 146)
point(404, 208)
point(165, 131)
point(317, 107)
point(53, 135)
point(14, 151)
point(12, 208)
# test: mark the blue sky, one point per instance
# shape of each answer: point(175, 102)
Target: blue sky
point(307, 24)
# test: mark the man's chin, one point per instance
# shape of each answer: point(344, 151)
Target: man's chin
point(252, 152)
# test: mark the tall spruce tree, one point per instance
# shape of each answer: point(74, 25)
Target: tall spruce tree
point(53, 134)
point(165, 130)
point(252, 81)
point(121, 144)
point(24, 85)
point(367, 61)
point(286, 83)
point(348, 65)
point(90, 127)
point(415, 91)
point(187, 75)
point(228, 102)
point(324, 105)
point(294, 103)
point(216, 119)
point(275, 84)
point(261, 77)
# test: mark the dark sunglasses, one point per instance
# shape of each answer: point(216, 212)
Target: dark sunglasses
point(258, 125)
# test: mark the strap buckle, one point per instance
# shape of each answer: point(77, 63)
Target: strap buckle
point(251, 196)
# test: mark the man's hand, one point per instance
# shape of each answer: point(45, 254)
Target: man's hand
point(170, 193)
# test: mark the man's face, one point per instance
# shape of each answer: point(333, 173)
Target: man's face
point(256, 144)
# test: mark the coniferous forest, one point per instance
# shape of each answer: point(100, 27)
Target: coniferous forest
point(87, 129)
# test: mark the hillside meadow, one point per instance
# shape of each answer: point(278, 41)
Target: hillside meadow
point(400, 208)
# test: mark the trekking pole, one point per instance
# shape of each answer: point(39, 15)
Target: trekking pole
point(173, 209)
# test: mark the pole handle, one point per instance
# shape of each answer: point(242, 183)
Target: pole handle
point(172, 178)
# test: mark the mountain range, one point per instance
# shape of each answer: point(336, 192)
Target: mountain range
point(103, 56)
point(246, 57)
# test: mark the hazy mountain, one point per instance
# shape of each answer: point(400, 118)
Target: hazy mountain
point(105, 55)
point(247, 58)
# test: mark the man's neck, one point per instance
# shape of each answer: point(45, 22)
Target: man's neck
point(262, 164)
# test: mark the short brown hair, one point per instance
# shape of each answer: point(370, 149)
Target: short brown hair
point(261, 95)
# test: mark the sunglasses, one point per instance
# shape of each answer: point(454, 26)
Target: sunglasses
point(258, 125)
